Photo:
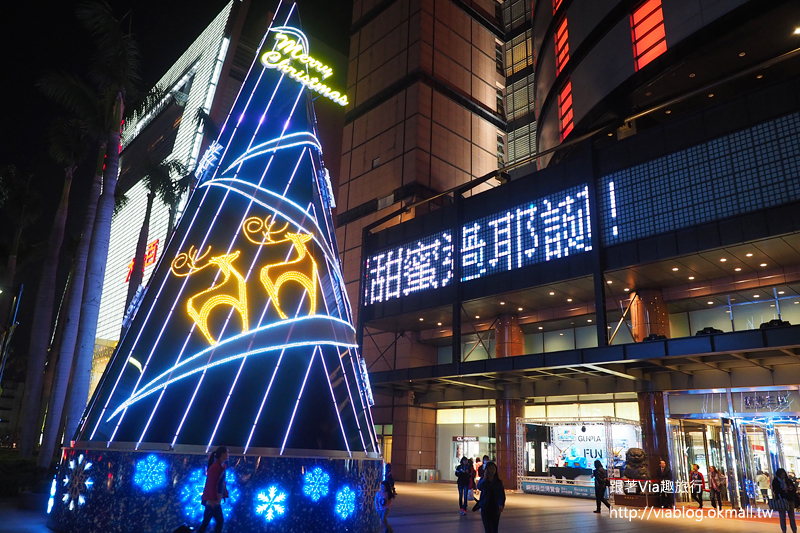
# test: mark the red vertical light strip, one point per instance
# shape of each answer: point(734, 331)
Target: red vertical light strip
point(565, 109)
point(647, 33)
point(562, 46)
point(556, 4)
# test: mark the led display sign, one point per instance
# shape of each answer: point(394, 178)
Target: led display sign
point(547, 228)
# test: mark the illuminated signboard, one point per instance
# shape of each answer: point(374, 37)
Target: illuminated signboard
point(291, 56)
point(547, 228)
point(149, 259)
point(245, 334)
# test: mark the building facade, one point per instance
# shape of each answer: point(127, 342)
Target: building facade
point(625, 275)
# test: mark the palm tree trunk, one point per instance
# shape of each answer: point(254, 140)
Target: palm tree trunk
point(72, 315)
point(93, 284)
point(138, 260)
point(41, 326)
point(170, 223)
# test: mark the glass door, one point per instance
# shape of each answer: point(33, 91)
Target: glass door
point(755, 455)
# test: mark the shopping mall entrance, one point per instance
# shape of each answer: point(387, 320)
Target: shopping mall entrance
point(739, 444)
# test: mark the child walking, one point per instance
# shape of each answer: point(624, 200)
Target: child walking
point(383, 501)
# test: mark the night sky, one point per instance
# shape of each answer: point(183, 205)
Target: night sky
point(43, 36)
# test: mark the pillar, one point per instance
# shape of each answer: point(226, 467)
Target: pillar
point(654, 429)
point(413, 439)
point(509, 342)
point(649, 315)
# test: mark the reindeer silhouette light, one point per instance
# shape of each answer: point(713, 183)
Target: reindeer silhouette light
point(274, 275)
point(225, 265)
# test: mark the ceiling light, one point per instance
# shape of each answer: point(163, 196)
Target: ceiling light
point(438, 323)
point(772, 305)
point(710, 303)
point(477, 316)
point(796, 303)
point(667, 112)
point(780, 292)
point(691, 277)
point(561, 334)
point(610, 134)
point(742, 54)
point(421, 319)
point(749, 255)
point(589, 320)
point(759, 76)
point(763, 264)
point(674, 269)
point(609, 282)
point(552, 293)
point(756, 296)
point(711, 95)
point(502, 303)
point(722, 260)
point(648, 93)
point(540, 327)
point(569, 299)
point(519, 309)
point(738, 269)
point(797, 31)
point(692, 75)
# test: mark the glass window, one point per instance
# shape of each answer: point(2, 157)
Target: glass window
point(586, 337)
point(535, 411)
point(627, 410)
point(388, 428)
point(556, 341)
point(715, 318)
point(378, 429)
point(569, 410)
point(534, 343)
point(751, 316)
point(476, 415)
point(679, 325)
point(790, 310)
point(596, 409)
point(450, 416)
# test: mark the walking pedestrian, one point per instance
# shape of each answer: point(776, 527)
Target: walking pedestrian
point(389, 478)
point(600, 483)
point(784, 496)
point(763, 485)
point(493, 498)
point(383, 501)
point(716, 482)
point(483, 466)
point(664, 476)
point(215, 491)
point(462, 479)
point(698, 483)
point(472, 483)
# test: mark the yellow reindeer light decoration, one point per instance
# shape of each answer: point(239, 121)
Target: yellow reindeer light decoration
point(225, 265)
point(274, 275)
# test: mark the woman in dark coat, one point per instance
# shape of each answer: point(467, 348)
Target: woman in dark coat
point(784, 494)
point(463, 474)
point(600, 484)
point(493, 498)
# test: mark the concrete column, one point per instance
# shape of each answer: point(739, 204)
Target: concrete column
point(649, 315)
point(509, 342)
point(654, 429)
point(413, 440)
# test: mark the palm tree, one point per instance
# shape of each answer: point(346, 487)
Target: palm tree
point(159, 183)
point(67, 148)
point(172, 196)
point(116, 69)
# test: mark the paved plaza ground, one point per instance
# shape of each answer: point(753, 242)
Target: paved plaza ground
point(434, 509)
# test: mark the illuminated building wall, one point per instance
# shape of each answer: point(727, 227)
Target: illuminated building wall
point(244, 337)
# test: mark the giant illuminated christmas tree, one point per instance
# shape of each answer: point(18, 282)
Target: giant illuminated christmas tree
point(244, 338)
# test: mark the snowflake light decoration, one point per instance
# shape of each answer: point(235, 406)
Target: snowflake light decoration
point(76, 482)
point(271, 504)
point(316, 485)
point(191, 496)
point(151, 473)
point(345, 502)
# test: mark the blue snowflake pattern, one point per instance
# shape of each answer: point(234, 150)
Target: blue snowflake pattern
point(191, 496)
point(345, 502)
point(151, 473)
point(316, 484)
point(271, 504)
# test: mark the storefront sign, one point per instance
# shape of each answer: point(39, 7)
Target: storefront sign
point(291, 56)
point(465, 439)
point(553, 489)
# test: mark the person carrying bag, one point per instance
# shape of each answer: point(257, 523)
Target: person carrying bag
point(784, 498)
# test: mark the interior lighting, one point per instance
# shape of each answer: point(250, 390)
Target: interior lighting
point(763, 265)
point(590, 320)
point(692, 75)
point(626, 289)
point(477, 316)
point(519, 309)
point(691, 277)
point(609, 282)
point(722, 260)
point(667, 112)
point(421, 319)
point(738, 269)
point(710, 303)
point(759, 76)
point(569, 299)
point(552, 293)
point(610, 134)
point(561, 334)
point(797, 31)
point(540, 327)
point(502, 303)
point(674, 269)
point(780, 292)
point(749, 255)
point(756, 296)
point(742, 54)
point(711, 95)
point(438, 323)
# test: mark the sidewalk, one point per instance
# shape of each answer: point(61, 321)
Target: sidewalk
point(16, 520)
